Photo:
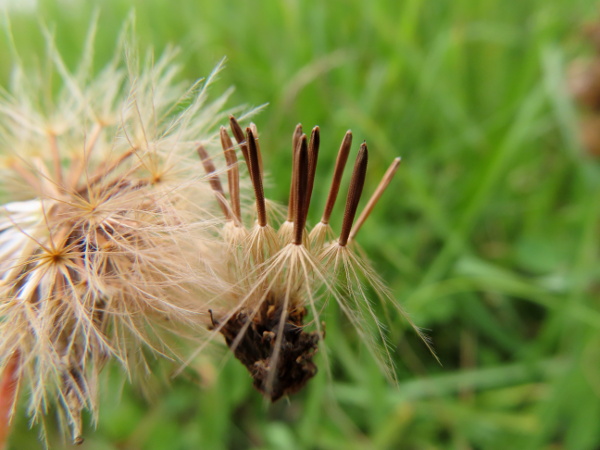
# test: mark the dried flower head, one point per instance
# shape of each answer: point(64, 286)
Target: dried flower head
point(114, 243)
point(280, 274)
point(105, 198)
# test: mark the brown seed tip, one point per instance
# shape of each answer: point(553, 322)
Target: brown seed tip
point(296, 136)
point(383, 184)
point(340, 164)
point(257, 141)
point(313, 155)
point(213, 179)
point(354, 192)
point(255, 175)
point(240, 138)
point(291, 205)
point(233, 174)
point(236, 129)
point(300, 193)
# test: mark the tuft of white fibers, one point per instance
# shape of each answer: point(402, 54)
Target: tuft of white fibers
point(107, 234)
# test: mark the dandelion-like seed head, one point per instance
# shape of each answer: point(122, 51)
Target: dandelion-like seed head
point(118, 237)
point(106, 242)
point(281, 273)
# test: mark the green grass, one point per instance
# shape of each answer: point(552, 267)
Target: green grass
point(488, 236)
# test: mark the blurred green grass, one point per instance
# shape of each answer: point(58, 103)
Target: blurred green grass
point(488, 236)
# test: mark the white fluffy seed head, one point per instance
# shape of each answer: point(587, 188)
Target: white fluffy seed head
point(107, 234)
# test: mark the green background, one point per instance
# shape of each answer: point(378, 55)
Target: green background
point(488, 236)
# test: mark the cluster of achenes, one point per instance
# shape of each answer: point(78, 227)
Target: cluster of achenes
point(117, 241)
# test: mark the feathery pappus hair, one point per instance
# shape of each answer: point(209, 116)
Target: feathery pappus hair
point(106, 241)
point(119, 240)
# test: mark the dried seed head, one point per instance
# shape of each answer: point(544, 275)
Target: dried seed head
point(107, 247)
point(116, 237)
point(263, 317)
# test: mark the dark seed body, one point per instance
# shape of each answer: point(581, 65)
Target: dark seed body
point(253, 342)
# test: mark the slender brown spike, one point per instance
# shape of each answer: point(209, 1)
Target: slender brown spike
point(239, 136)
point(383, 184)
point(236, 129)
point(300, 189)
point(257, 139)
point(256, 178)
point(295, 139)
point(354, 192)
point(233, 174)
point(340, 163)
point(213, 179)
point(313, 155)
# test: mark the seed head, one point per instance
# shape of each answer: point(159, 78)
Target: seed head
point(118, 238)
point(106, 239)
point(280, 278)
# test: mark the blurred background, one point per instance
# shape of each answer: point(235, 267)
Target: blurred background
point(488, 236)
